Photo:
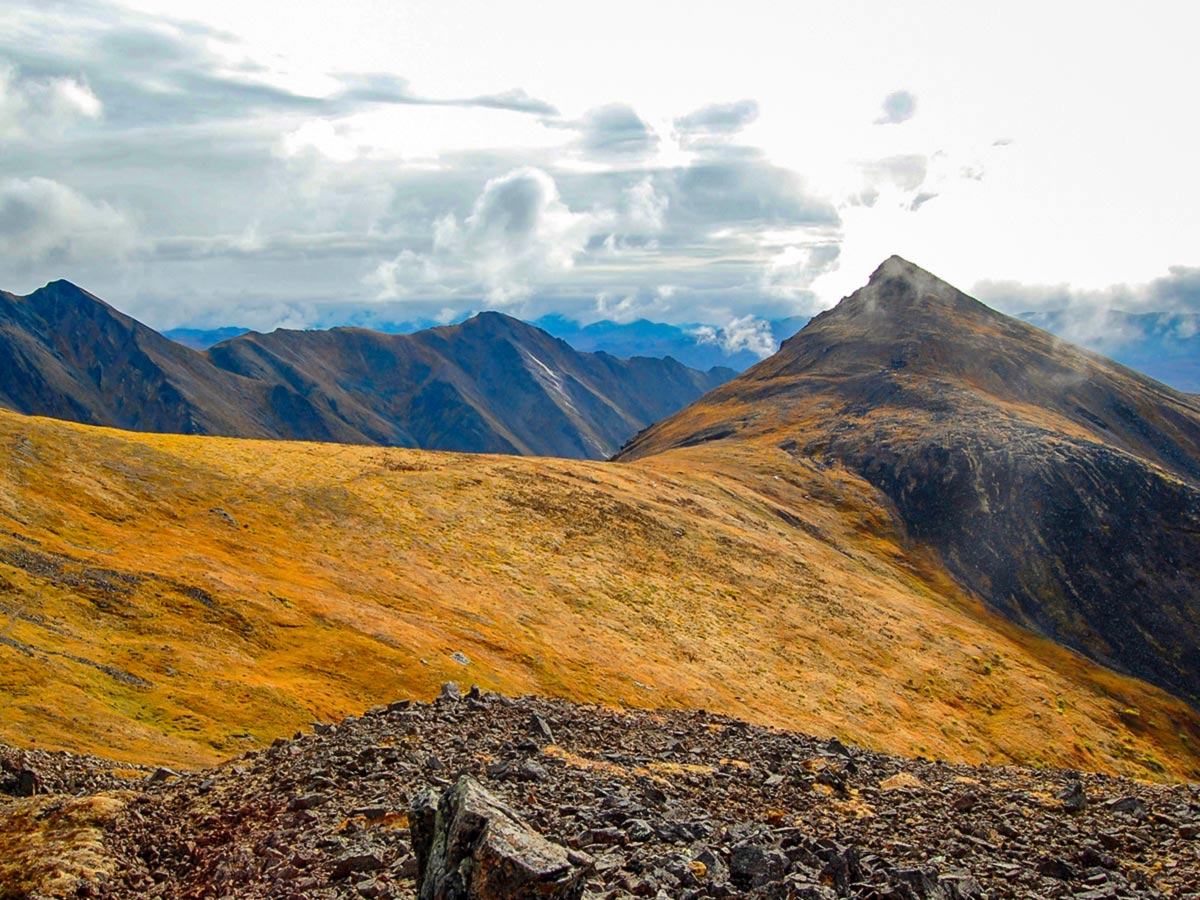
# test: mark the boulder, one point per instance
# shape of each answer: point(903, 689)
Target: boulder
point(469, 846)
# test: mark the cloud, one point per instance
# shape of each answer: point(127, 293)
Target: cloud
point(738, 334)
point(616, 130)
point(645, 208)
point(1099, 318)
point(34, 107)
point(42, 220)
point(519, 235)
point(386, 87)
point(791, 272)
point(715, 122)
point(748, 192)
point(898, 106)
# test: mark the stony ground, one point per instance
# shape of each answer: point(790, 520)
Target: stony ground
point(668, 804)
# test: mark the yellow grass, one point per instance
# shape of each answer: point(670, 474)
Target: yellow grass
point(735, 579)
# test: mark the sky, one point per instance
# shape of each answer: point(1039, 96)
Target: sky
point(234, 162)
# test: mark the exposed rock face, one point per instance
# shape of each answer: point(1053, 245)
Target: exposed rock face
point(468, 845)
point(1061, 487)
point(491, 384)
point(667, 805)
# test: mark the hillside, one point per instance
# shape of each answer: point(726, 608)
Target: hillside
point(1059, 486)
point(181, 599)
point(490, 384)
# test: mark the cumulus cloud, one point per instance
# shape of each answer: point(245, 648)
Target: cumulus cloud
point(898, 106)
point(616, 130)
point(41, 219)
point(518, 235)
point(33, 107)
point(738, 334)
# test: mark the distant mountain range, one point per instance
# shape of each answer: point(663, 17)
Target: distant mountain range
point(1165, 346)
point(490, 384)
point(697, 346)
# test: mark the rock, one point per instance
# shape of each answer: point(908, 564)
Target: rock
point(162, 773)
point(460, 658)
point(354, 863)
point(531, 770)
point(1130, 805)
point(836, 747)
point(450, 691)
point(469, 845)
point(1073, 798)
point(1053, 867)
point(29, 783)
point(751, 865)
point(307, 801)
point(538, 727)
point(960, 887)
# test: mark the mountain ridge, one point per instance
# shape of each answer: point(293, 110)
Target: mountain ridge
point(73, 356)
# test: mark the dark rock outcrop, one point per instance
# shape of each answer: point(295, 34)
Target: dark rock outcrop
point(469, 845)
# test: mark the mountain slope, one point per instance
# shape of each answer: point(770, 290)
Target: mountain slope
point(1061, 487)
point(179, 599)
point(67, 354)
point(489, 384)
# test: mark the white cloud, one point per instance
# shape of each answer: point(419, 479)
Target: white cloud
point(738, 334)
point(320, 136)
point(42, 219)
point(519, 236)
point(790, 273)
point(645, 208)
point(31, 108)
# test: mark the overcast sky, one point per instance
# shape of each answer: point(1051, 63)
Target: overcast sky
point(237, 162)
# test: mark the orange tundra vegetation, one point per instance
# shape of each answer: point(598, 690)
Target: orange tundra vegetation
point(182, 599)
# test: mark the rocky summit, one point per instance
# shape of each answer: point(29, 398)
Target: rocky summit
point(480, 795)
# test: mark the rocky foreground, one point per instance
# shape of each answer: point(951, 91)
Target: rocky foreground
point(583, 801)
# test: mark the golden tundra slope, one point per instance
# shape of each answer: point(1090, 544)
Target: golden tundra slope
point(181, 599)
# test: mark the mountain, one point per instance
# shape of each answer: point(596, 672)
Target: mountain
point(1061, 487)
point(789, 554)
point(203, 338)
point(489, 384)
point(67, 354)
point(1165, 346)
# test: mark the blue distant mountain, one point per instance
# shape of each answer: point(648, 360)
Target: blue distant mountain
point(697, 346)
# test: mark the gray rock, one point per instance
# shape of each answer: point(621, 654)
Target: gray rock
point(1130, 805)
point(1073, 798)
point(751, 865)
point(356, 862)
point(450, 691)
point(471, 847)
